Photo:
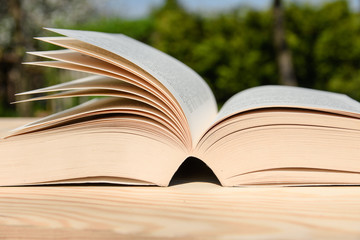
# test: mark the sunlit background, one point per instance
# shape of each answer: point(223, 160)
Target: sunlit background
point(232, 44)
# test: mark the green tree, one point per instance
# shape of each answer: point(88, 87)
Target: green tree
point(236, 52)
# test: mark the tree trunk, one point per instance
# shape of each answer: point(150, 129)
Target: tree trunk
point(16, 71)
point(284, 58)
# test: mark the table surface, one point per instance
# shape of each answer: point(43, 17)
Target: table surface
point(197, 210)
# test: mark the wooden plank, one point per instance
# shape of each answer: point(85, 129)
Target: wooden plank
point(193, 210)
point(182, 211)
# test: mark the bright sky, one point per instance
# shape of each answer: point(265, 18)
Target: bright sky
point(140, 8)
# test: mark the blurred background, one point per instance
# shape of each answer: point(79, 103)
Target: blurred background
point(232, 44)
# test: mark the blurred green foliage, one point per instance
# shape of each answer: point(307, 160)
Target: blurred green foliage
point(234, 50)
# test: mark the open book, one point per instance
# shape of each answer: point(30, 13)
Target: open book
point(154, 112)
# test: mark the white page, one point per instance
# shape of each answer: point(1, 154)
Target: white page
point(285, 96)
point(189, 89)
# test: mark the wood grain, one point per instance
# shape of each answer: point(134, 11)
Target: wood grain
point(197, 210)
point(192, 210)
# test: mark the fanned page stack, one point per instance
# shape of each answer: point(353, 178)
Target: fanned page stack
point(154, 112)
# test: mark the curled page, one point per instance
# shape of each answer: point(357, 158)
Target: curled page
point(286, 96)
point(189, 89)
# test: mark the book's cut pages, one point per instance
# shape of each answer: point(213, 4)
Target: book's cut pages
point(153, 112)
point(285, 135)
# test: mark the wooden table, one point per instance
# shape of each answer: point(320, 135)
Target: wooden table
point(197, 210)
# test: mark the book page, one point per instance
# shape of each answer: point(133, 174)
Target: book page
point(97, 107)
point(102, 86)
point(81, 59)
point(285, 96)
point(189, 89)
